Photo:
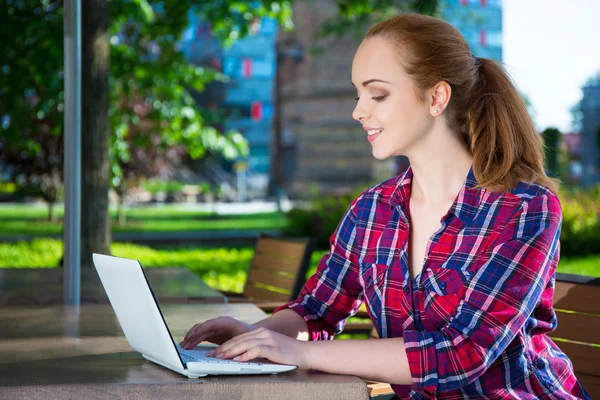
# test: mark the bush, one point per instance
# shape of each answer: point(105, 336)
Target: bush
point(155, 186)
point(320, 217)
point(581, 222)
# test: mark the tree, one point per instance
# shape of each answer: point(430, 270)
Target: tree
point(552, 137)
point(95, 128)
point(31, 103)
point(131, 61)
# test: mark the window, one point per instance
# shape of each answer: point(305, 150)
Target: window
point(494, 38)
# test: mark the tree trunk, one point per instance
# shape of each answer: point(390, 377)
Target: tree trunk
point(121, 212)
point(95, 131)
point(51, 217)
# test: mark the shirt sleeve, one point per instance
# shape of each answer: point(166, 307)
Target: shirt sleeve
point(333, 293)
point(498, 300)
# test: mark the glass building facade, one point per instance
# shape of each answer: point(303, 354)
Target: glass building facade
point(480, 22)
point(247, 96)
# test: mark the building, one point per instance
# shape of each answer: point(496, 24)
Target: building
point(480, 22)
point(332, 151)
point(590, 133)
point(325, 149)
point(246, 98)
point(570, 150)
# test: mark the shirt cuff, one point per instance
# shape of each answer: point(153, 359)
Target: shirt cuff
point(422, 359)
point(316, 330)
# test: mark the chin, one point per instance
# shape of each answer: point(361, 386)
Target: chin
point(382, 154)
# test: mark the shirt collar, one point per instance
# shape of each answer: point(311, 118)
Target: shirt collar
point(465, 205)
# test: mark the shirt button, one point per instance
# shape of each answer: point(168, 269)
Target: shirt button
point(407, 288)
point(443, 285)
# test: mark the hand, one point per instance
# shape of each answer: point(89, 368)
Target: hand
point(264, 343)
point(218, 330)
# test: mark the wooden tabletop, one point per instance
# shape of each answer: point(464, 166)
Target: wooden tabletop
point(59, 352)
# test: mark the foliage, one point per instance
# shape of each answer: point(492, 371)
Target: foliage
point(155, 186)
point(31, 95)
point(319, 218)
point(355, 16)
point(580, 233)
point(153, 117)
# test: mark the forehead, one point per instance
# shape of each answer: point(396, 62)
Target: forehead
point(376, 57)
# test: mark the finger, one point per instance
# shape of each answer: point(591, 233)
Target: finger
point(194, 340)
point(200, 330)
point(191, 331)
point(257, 333)
point(242, 347)
point(267, 352)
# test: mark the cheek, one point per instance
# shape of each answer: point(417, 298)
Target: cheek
point(405, 115)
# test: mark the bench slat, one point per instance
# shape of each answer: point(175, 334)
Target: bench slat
point(271, 279)
point(263, 294)
point(579, 327)
point(281, 248)
point(572, 296)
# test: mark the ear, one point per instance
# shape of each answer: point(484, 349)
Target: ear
point(439, 97)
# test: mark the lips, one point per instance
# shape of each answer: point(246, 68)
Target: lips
point(373, 134)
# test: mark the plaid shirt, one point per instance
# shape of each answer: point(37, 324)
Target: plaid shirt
point(475, 320)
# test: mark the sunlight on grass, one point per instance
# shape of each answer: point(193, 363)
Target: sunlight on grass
point(32, 220)
point(221, 268)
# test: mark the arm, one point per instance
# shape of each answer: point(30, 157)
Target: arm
point(382, 360)
point(286, 322)
point(498, 300)
point(334, 292)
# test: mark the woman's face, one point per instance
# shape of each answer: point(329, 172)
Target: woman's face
point(394, 118)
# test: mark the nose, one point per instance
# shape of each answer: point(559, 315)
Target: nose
point(359, 113)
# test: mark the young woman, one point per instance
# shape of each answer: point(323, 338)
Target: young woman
point(455, 258)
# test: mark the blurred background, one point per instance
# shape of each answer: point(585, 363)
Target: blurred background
point(206, 123)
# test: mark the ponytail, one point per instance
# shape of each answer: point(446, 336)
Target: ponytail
point(505, 145)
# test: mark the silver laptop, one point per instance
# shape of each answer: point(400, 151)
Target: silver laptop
point(146, 330)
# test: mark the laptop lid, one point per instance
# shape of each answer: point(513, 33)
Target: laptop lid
point(136, 308)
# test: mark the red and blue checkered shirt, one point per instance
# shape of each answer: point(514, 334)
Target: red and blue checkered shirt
point(475, 320)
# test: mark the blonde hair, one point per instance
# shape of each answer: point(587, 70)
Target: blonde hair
point(485, 106)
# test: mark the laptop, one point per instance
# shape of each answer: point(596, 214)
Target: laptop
point(147, 332)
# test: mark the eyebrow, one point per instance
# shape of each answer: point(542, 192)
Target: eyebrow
point(365, 83)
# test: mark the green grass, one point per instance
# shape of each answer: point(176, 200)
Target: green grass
point(223, 268)
point(32, 220)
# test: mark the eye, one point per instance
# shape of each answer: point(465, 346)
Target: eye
point(378, 98)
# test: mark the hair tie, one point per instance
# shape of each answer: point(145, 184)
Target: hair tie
point(477, 62)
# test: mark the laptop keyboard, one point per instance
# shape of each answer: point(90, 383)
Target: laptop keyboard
point(199, 356)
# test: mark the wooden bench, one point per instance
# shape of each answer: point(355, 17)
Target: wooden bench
point(277, 272)
point(577, 306)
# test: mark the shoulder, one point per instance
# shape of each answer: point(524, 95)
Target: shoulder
point(378, 197)
point(535, 198)
point(528, 210)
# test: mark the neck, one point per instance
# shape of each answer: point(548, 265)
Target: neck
point(440, 168)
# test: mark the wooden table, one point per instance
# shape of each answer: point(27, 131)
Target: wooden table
point(57, 352)
point(44, 286)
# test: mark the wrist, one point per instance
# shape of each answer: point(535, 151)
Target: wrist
point(307, 349)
